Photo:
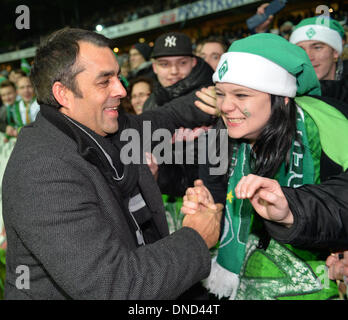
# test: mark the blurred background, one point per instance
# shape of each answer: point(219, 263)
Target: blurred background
point(129, 21)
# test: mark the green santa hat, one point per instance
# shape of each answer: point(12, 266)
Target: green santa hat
point(269, 63)
point(320, 29)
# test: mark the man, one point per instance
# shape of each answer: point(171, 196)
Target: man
point(322, 39)
point(140, 65)
point(22, 111)
point(8, 96)
point(179, 74)
point(26, 109)
point(80, 223)
point(178, 71)
point(15, 74)
point(7, 93)
point(211, 51)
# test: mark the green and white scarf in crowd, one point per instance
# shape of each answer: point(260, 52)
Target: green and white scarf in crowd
point(303, 169)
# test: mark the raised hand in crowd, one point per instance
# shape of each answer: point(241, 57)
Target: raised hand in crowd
point(263, 27)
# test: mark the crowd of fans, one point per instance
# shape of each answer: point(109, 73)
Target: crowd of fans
point(166, 74)
point(112, 15)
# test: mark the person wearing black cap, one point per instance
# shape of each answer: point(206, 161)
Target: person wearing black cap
point(178, 71)
point(140, 65)
point(180, 74)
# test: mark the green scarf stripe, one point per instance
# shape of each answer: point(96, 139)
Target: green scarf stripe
point(239, 212)
point(17, 115)
point(313, 145)
point(333, 134)
point(237, 216)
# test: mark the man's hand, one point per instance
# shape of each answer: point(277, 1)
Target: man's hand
point(202, 214)
point(197, 198)
point(207, 223)
point(267, 198)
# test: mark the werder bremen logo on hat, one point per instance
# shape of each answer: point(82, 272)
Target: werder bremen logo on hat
point(223, 69)
point(310, 33)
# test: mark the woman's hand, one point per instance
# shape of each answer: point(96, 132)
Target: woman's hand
point(267, 198)
point(207, 102)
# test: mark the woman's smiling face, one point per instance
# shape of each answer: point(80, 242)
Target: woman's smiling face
point(244, 111)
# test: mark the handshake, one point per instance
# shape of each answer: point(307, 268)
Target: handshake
point(201, 213)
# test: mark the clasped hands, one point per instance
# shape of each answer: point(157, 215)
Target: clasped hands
point(202, 213)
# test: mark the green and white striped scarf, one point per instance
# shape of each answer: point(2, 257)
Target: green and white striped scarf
point(224, 278)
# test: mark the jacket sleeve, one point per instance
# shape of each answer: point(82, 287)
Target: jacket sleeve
point(320, 215)
point(180, 112)
point(61, 222)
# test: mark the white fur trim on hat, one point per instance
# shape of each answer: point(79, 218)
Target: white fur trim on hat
point(255, 72)
point(318, 33)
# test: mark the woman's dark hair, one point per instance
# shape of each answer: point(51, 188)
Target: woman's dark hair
point(274, 143)
point(273, 146)
point(55, 60)
point(136, 80)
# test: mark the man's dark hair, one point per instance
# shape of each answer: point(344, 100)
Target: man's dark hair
point(7, 83)
point(216, 39)
point(55, 60)
point(19, 71)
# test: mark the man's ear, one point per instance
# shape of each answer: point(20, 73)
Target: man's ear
point(61, 94)
point(194, 61)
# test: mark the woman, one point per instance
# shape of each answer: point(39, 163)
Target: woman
point(139, 90)
point(276, 130)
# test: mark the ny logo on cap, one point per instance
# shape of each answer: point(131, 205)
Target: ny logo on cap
point(170, 41)
point(310, 33)
point(223, 69)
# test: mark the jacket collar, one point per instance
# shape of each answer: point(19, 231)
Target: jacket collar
point(92, 147)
